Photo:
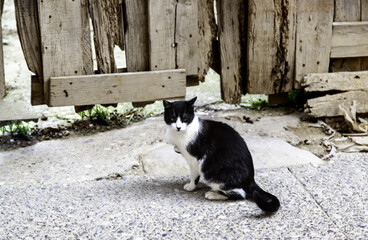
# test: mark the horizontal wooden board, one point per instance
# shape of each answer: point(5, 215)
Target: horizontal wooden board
point(11, 111)
point(340, 81)
point(349, 39)
point(115, 88)
point(328, 106)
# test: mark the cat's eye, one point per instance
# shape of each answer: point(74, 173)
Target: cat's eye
point(172, 119)
point(185, 119)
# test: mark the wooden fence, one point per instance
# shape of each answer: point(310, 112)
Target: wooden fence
point(263, 47)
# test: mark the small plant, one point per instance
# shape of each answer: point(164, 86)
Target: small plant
point(260, 104)
point(19, 130)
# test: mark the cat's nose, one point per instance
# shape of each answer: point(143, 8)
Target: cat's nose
point(178, 128)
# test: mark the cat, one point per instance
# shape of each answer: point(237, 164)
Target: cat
point(216, 154)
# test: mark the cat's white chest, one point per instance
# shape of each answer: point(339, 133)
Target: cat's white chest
point(181, 139)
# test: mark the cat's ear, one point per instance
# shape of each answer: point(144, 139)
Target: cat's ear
point(167, 104)
point(192, 101)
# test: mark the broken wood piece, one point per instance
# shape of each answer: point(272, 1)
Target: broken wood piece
point(349, 39)
point(26, 14)
point(340, 81)
point(119, 87)
point(327, 106)
point(351, 119)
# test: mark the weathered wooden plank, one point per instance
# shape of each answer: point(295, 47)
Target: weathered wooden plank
point(186, 36)
point(19, 110)
point(341, 81)
point(26, 14)
point(136, 35)
point(207, 33)
point(37, 92)
point(364, 10)
point(119, 87)
point(349, 39)
point(161, 15)
point(104, 20)
point(2, 73)
point(313, 37)
point(328, 106)
point(271, 46)
point(231, 33)
point(347, 10)
point(65, 40)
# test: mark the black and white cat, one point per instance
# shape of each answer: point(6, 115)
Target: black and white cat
point(216, 154)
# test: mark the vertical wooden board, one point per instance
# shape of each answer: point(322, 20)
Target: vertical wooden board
point(186, 36)
point(161, 25)
point(26, 14)
point(136, 35)
point(364, 10)
point(313, 37)
point(231, 16)
point(104, 35)
point(2, 74)
point(207, 33)
point(347, 11)
point(271, 46)
point(63, 39)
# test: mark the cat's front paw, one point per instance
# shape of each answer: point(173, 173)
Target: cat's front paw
point(189, 187)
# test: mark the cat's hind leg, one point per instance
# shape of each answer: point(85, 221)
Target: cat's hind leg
point(232, 194)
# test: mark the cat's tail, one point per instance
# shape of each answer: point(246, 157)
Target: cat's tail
point(266, 201)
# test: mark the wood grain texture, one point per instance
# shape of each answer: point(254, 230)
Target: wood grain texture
point(26, 15)
point(349, 39)
point(136, 35)
point(341, 81)
point(207, 33)
point(37, 91)
point(19, 110)
point(231, 34)
point(350, 11)
point(347, 10)
point(313, 37)
point(162, 15)
point(186, 36)
point(2, 73)
point(119, 87)
point(65, 47)
point(101, 12)
point(328, 106)
point(271, 46)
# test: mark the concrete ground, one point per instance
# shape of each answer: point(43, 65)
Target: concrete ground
point(128, 184)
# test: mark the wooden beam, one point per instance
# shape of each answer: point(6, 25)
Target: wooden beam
point(313, 37)
point(65, 40)
point(349, 39)
point(37, 91)
point(119, 87)
point(2, 73)
point(328, 106)
point(232, 35)
point(340, 81)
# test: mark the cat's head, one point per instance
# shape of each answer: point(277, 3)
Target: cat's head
point(179, 114)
